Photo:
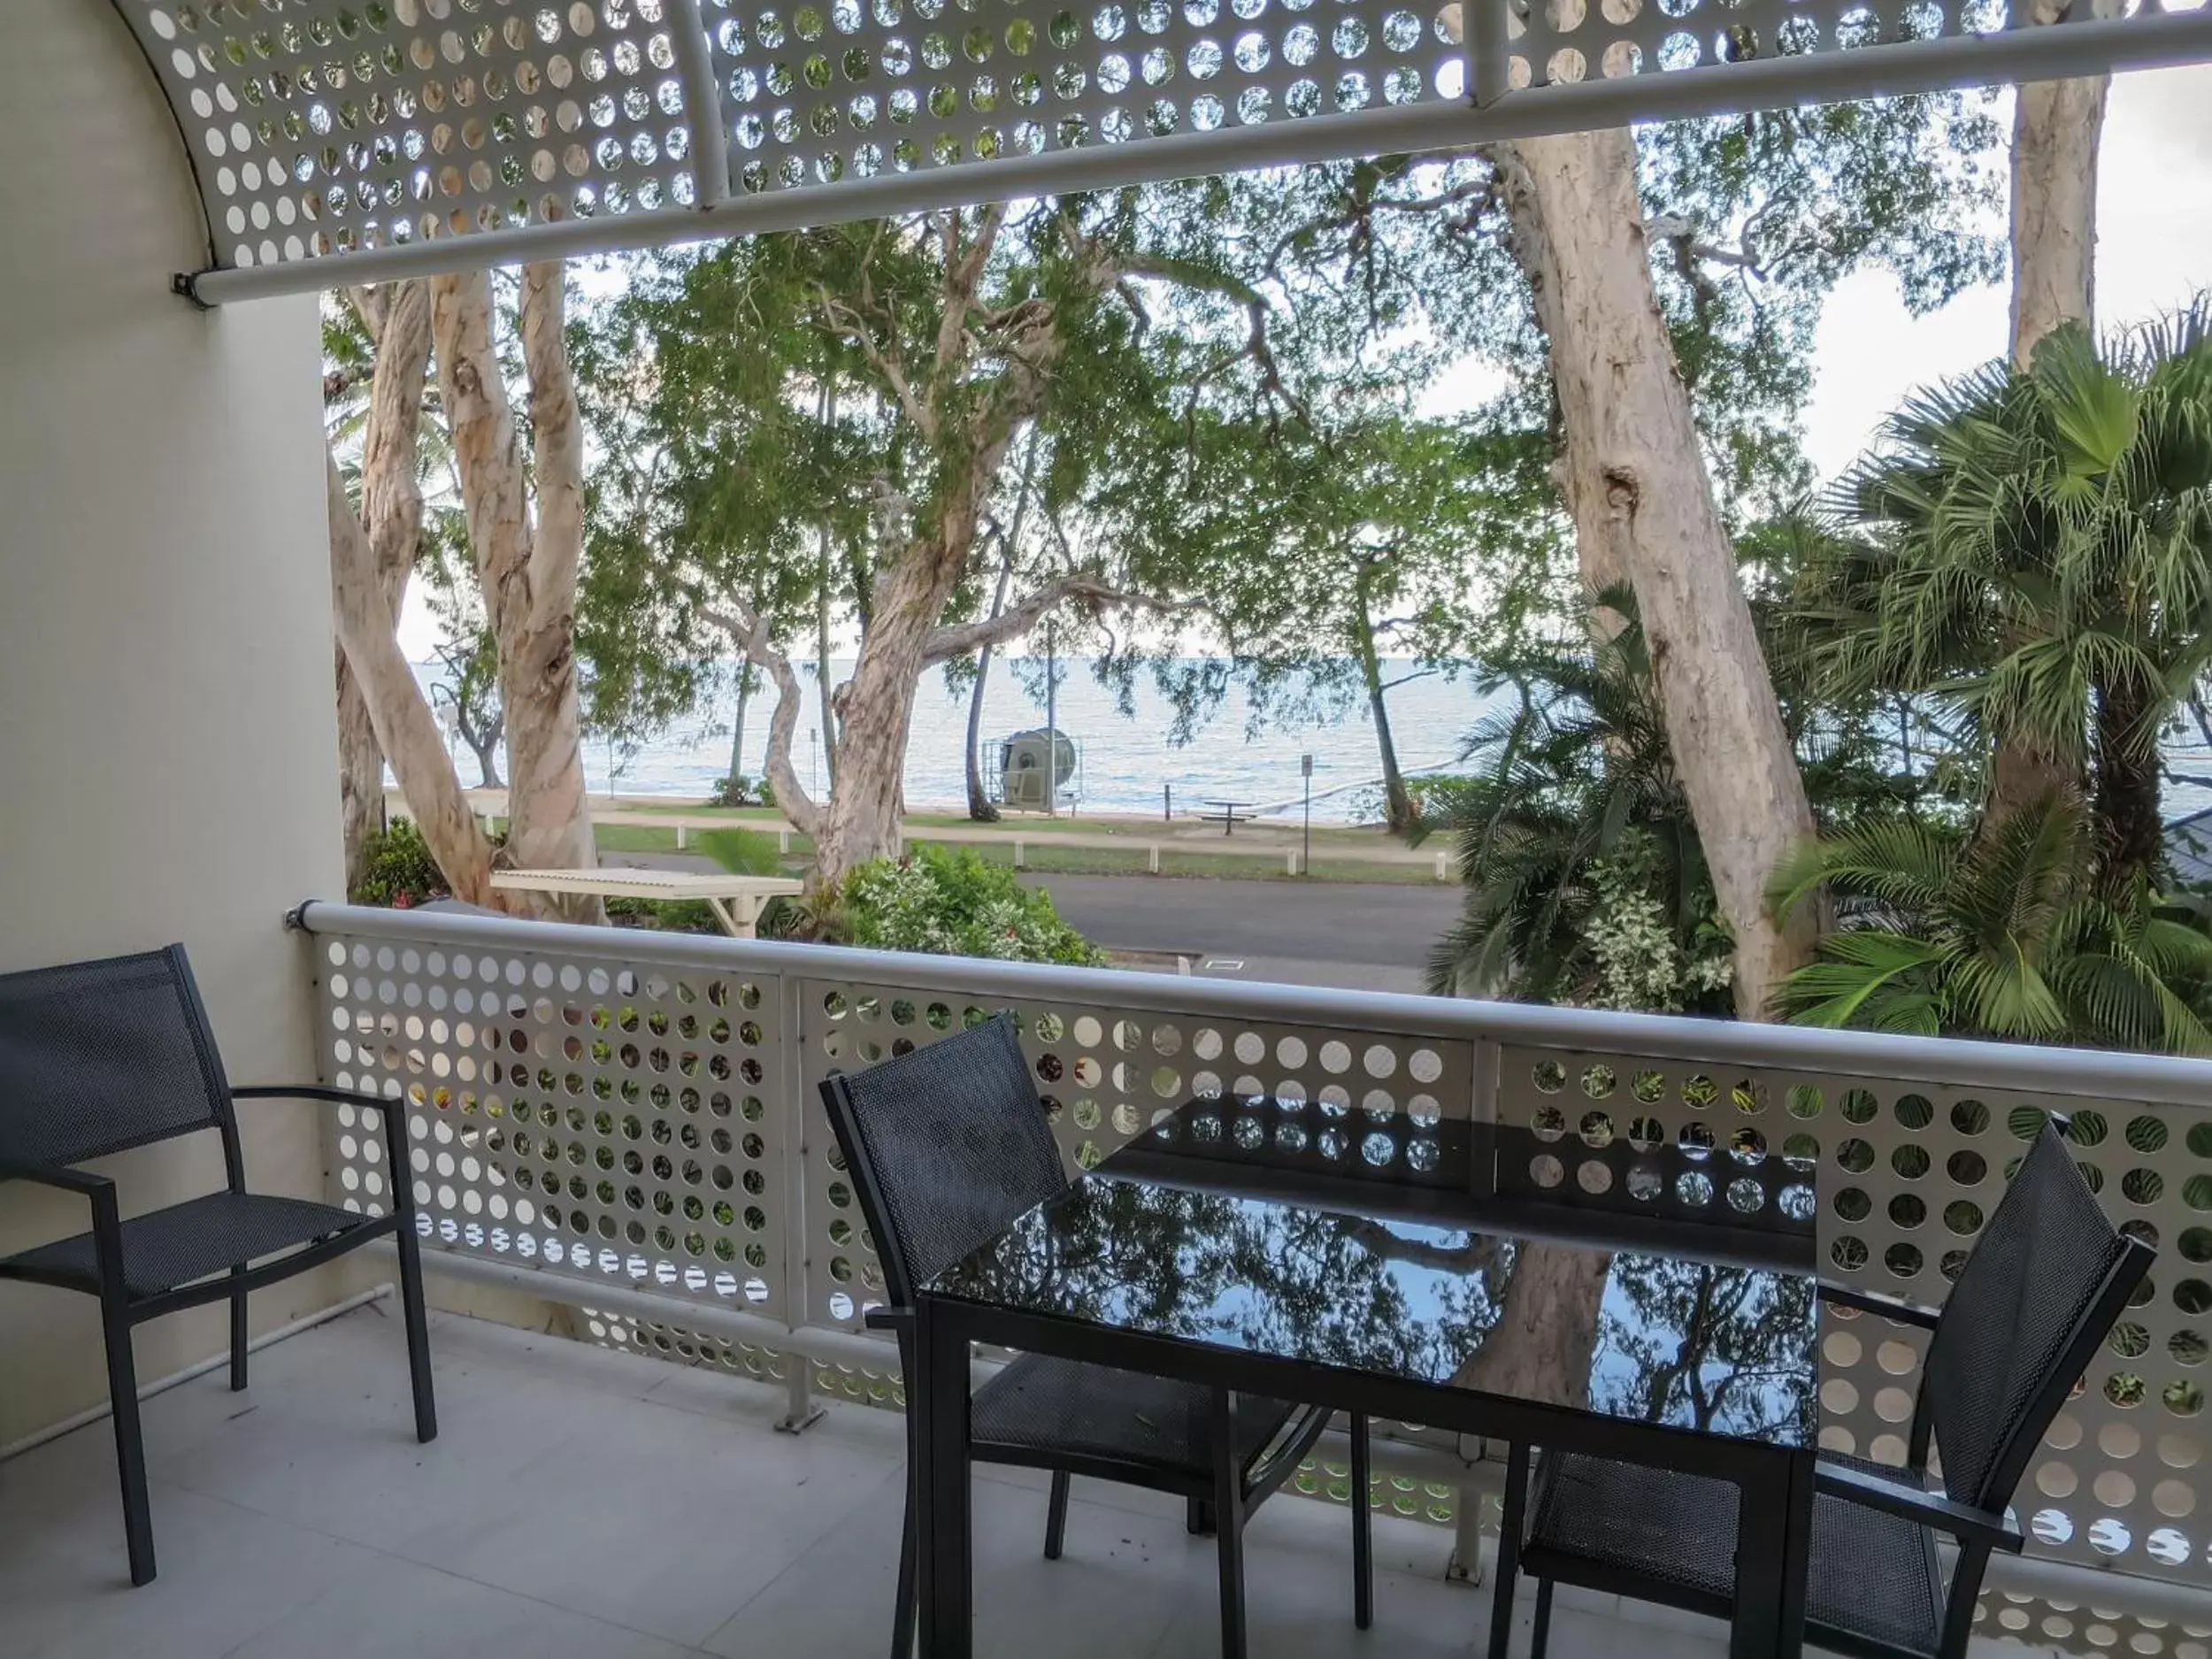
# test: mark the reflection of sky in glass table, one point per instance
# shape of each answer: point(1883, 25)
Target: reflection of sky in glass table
point(1723, 1350)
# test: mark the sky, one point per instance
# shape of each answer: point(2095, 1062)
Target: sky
point(2154, 255)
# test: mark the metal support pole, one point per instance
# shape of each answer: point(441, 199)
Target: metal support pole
point(802, 1409)
point(703, 103)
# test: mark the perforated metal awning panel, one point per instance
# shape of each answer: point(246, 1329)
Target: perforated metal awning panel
point(357, 140)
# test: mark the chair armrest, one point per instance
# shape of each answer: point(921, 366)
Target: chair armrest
point(1874, 1301)
point(392, 1109)
point(90, 1187)
point(898, 1319)
point(107, 1217)
point(1962, 1521)
point(312, 1091)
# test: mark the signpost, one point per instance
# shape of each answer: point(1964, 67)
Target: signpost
point(1305, 858)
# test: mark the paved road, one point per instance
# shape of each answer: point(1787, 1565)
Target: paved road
point(1359, 936)
point(1371, 925)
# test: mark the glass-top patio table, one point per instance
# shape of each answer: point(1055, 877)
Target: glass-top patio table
point(1211, 1251)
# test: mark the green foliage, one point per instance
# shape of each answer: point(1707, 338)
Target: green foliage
point(2001, 933)
point(666, 916)
point(1584, 879)
point(953, 903)
point(1587, 881)
point(742, 852)
point(737, 789)
point(397, 869)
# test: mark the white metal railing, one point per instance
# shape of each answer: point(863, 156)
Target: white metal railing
point(406, 137)
point(629, 1122)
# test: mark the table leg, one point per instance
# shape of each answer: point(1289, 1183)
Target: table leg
point(729, 924)
point(1774, 1527)
point(1228, 1523)
point(940, 1395)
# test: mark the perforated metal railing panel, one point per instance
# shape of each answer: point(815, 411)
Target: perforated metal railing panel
point(353, 127)
point(647, 1115)
point(602, 1115)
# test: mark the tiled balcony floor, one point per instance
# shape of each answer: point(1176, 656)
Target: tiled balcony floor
point(581, 1504)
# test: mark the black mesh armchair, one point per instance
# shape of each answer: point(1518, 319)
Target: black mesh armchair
point(98, 1058)
point(2047, 1279)
point(946, 1147)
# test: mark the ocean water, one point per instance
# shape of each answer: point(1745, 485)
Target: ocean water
point(1125, 761)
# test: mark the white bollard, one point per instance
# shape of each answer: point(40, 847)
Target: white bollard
point(1018, 853)
point(1153, 857)
point(679, 837)
point(1290, 863)
point(1443, 867)
point(783, 840)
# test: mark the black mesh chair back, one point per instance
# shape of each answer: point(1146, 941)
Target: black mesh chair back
point(99, 1056)
point(949, 1146)
point(2047, 1276)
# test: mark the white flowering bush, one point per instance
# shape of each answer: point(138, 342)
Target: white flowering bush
point(947, 903)
point(1638, 961)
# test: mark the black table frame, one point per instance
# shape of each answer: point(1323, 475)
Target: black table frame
point(1775, 1483)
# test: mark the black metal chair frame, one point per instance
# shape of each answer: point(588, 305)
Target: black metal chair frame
point(1219, 1503)
point(1977, 1531)
point(121, 1312)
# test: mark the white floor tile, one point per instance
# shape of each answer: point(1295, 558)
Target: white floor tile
point(226, 1574)
point(587, 1504)
point(657, 1519)
point(384, 1609)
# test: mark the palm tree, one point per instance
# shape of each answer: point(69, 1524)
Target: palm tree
point(2035, 547)
point(2004, 934)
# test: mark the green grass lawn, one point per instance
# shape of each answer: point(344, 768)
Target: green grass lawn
point(1011, 824)
point(1086, 861)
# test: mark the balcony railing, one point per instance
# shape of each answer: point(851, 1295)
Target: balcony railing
point(629, 1123)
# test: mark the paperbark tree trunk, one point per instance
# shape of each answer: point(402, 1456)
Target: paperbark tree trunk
point(2057, 129)
point(745, 673)
point(979, 806)
point(527, 574)
point(1398, 811)
point(1643, 506)
point(360, 770)
point(827, 414)
point(398, 320)
point(400, 714)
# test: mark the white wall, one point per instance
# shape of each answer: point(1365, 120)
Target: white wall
point(167, 739)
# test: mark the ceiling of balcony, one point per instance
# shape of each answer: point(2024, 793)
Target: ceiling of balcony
point(393, 137)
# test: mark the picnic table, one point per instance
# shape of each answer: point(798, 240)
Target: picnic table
point(734, 900)
point(1231, 813)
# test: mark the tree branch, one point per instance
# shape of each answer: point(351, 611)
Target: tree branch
point(960, 639)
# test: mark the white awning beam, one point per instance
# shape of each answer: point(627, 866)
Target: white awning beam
point(362, 140)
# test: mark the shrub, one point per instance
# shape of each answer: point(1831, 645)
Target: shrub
point(397, 870)
point(951, 904)
point(739, 790)
point(664, 916)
